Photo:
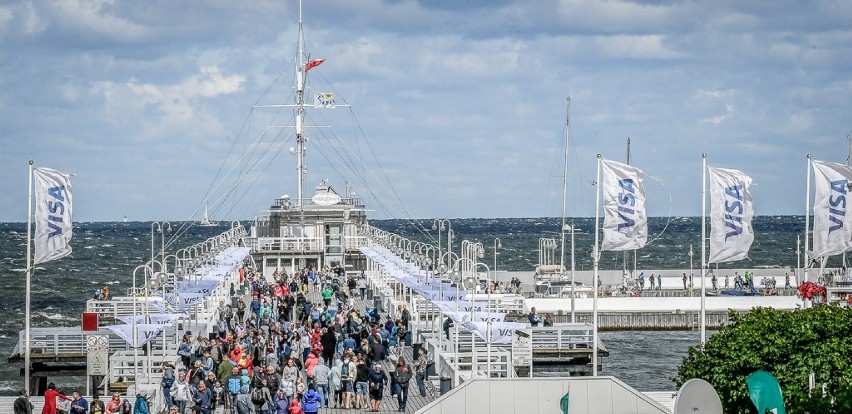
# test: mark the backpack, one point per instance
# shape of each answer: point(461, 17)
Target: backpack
point(257, 396)
point(234, 384)
point(168, 379)
point(344, 370)
point(403, 375)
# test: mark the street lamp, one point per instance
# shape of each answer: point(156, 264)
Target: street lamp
point(497, 245)
point(135, 335)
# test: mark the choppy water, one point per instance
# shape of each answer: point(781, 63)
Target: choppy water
point(107, 253)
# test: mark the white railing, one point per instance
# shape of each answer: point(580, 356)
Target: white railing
point(285, 244)
point(122, 306)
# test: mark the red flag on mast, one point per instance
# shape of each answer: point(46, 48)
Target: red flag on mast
point(313, 63)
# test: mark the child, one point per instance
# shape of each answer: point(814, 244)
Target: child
point(218, 395)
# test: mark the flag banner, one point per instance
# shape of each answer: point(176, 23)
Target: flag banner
point(144, 333)
point(450, 306)
point(731, 212)
point(477, 316)
point(167, 318)
point(324, 100)
point(501, 332)
point(625, 223)
point(186, 299)
point(208, 284)
point(52, 215)
point(832, 226)
point(313, 63)
point(765, 392)
point(128, 319)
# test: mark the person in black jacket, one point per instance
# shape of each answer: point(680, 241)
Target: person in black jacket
point(22, 404)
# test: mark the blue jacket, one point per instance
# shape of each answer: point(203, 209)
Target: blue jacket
point(84, 406)
point(310, 401)
point(141, 406)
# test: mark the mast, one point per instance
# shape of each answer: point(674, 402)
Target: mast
point(565, 189)
point(301, 170)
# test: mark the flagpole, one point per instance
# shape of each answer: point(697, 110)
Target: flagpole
point(29, 275)
point(703, 245)
point(807, 215)
point(596, 260)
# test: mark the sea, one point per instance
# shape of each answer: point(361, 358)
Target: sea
point(106, 253)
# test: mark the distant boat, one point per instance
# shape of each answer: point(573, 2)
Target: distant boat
point(205, 221)
point(125, 220)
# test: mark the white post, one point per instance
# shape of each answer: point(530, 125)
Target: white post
point(703, 245)
point(573, 296)
point(596, 261)
point(29, 275)
point(807, 216)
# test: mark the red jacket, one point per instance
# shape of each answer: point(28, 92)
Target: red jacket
point(50, 401)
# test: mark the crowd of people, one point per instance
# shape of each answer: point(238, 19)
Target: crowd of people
point(282, 353)
point(275, 351)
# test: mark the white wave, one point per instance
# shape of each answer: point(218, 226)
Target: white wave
point(106, 245)
point(19, 270)
point(89, 247)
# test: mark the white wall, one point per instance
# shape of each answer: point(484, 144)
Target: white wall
point(587, 395)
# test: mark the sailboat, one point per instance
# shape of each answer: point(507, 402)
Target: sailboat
point(205, 221)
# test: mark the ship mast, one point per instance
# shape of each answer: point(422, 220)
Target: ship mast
point(301, 170)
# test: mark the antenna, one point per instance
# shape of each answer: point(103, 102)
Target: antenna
point(697, 396)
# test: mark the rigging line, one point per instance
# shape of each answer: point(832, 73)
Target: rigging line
point(184, 227)
point(392, 189)
point(276, 142)
point(243, 128)
point(669, 218)
point(352, 166)
point(416, 224)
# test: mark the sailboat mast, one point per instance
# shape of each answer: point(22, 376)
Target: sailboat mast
point(565, 187)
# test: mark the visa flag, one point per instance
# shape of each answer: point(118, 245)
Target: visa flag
point(625, 222)
point(731, 212)
point(832, 221)
point(52, 215)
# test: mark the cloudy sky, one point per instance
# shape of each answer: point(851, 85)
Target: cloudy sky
point(457, 106)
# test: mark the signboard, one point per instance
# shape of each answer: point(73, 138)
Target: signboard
point(97, 354)
point(325, 199)
point(522, 355)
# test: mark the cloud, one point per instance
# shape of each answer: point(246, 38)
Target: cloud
point(635, 47)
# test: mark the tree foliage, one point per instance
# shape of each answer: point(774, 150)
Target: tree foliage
point(790, 345)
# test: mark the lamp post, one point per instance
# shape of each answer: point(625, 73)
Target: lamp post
point(571, 227)
point(135, 332)
point(497, 245)
point(690, 254)
point(474, 266)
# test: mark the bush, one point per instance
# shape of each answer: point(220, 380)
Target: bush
point(790, 345)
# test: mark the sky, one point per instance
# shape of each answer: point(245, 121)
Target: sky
point(458, 108)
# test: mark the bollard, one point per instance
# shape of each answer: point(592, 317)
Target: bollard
point(408, 341)
point(369, 294)
point(377, 302)
point(415, 348)
point(446, 384)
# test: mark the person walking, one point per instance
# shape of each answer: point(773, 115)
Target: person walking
point(400, 379)
point(378, 382)
point(50, 397)
point(22, 404)
point(310, 401)
point(420, 366)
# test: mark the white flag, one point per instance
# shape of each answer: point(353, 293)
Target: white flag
point(832, 221)
point(52, 215)
point(144, 333)
point(324, 100)
point(501, 332)
point(625, 223)
point(731, 211)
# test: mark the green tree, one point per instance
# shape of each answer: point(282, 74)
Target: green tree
point(790, 345)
